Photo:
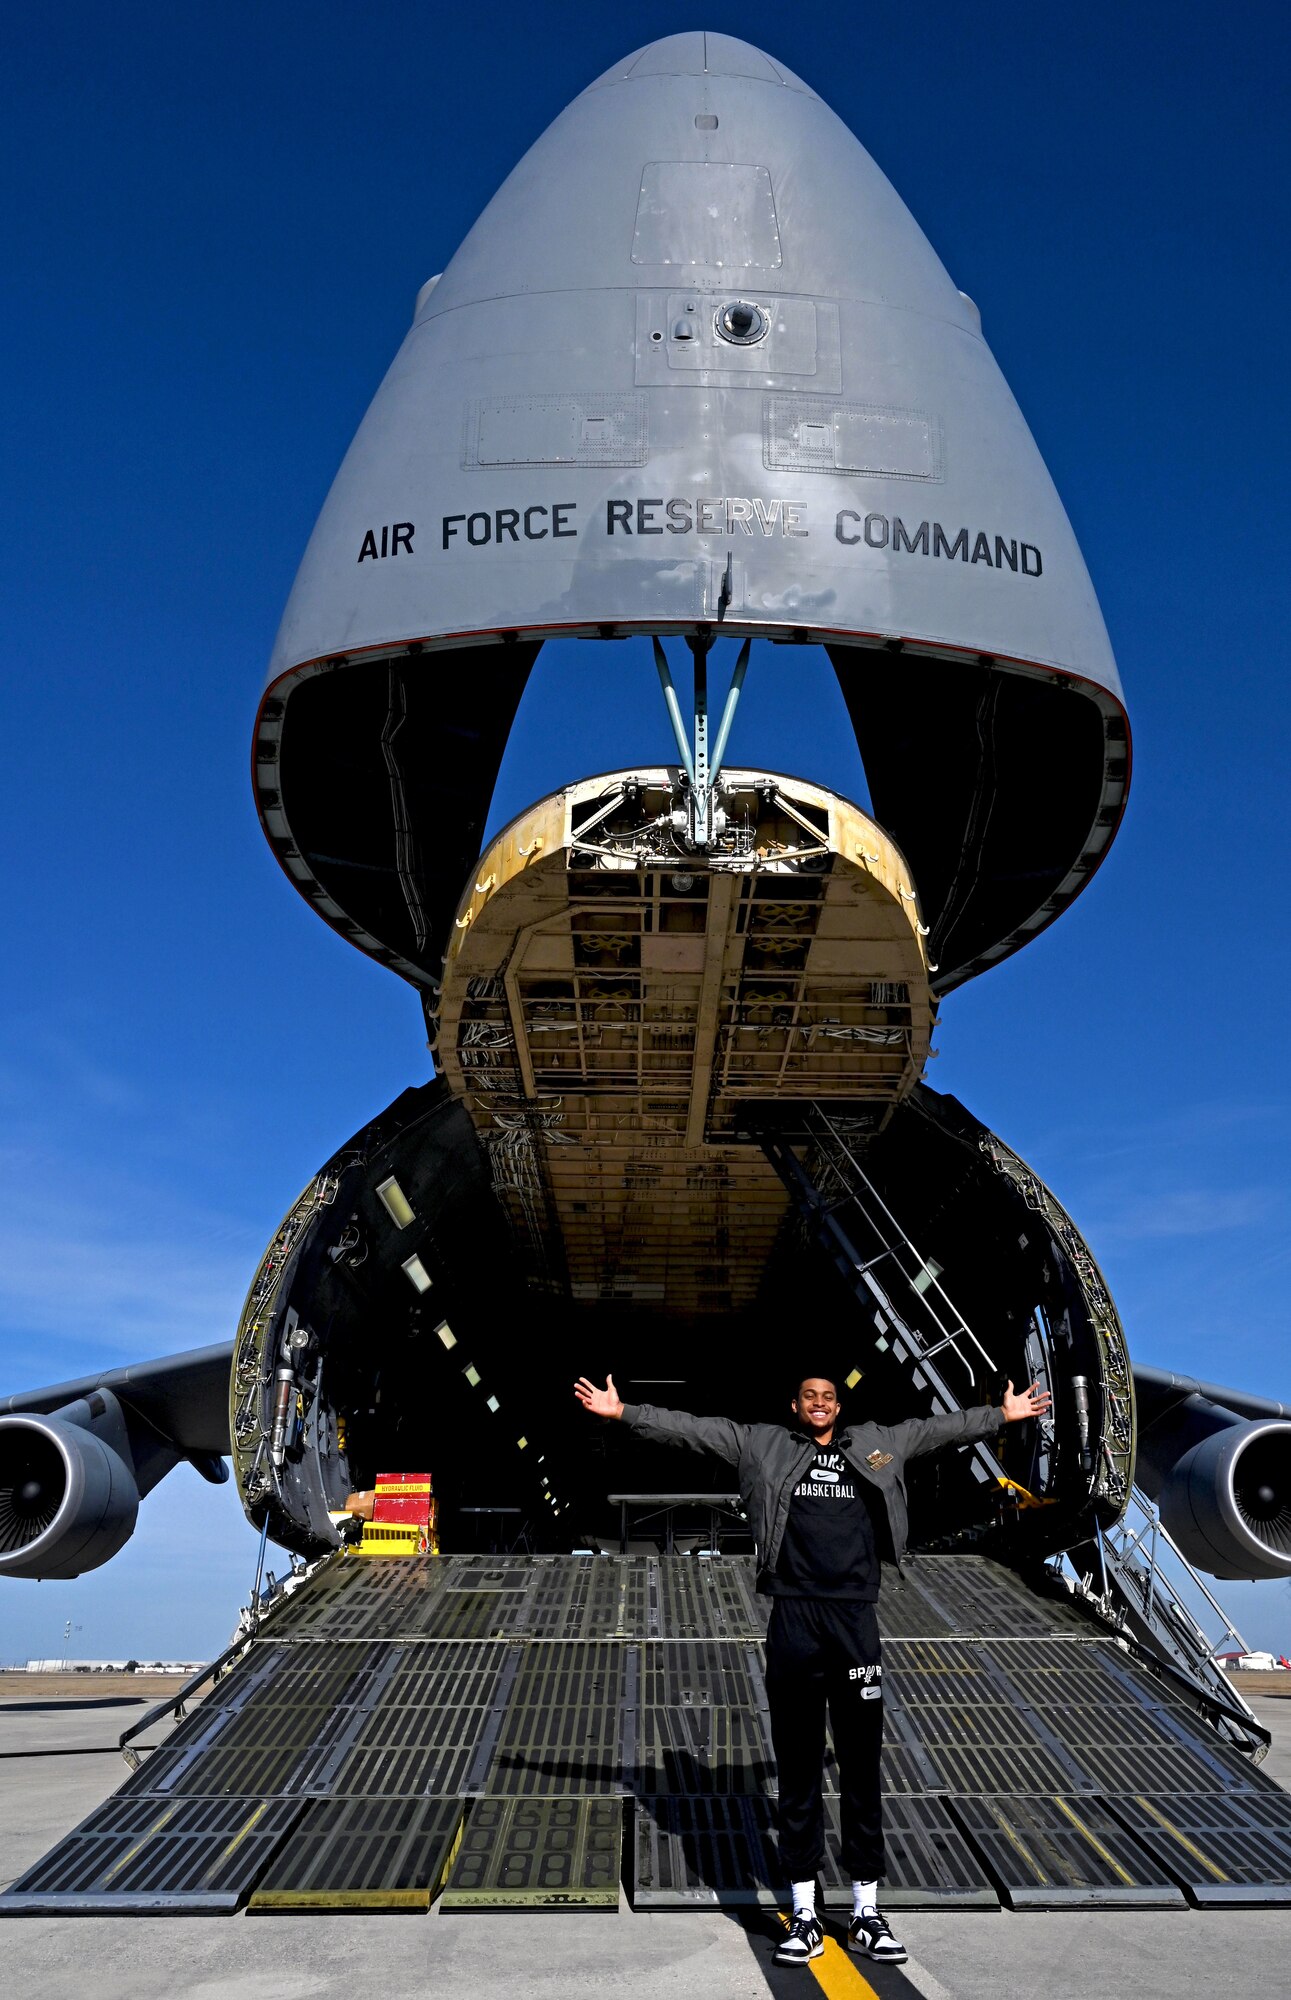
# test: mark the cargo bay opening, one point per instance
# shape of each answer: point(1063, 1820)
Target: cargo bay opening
point(679, 1133)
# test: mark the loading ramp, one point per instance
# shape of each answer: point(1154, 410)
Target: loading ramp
point(527, 1733)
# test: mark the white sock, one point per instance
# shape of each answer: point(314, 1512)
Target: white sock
point(804, 1898)
point(865, 1896)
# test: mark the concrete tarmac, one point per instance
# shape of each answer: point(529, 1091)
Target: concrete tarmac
point(57, 1764)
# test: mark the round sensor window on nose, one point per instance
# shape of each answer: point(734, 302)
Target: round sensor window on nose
point(742, 323)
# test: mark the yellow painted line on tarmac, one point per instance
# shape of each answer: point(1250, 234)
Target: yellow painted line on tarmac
point(837, 1973)
point(1182, 1839)
point(1095, 1842)
point(840, 1976)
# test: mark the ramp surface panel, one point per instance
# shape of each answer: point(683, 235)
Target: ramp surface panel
point(246, 1774)
point(607, 1599)
point(1223, 1850)
point(1029, 1757)
point(1052, 1852)
point(702, 1600)
point(138, 1856)
point(555, 1752)
point(979, 1598)
point(705, 1853)
point(362, 1854)
point(395, 1773)
point(930, 1865)
point(696, 1751)
point(575, 1674)
point(702, 1674)
point(382, 1600)
point(278, 1675)
point(709, 1853)
point(538, 1854)
point(405, 1722)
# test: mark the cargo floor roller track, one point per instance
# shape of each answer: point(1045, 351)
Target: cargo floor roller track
point(528, 1733)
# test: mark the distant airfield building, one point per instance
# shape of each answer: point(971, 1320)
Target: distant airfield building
point(113, 1666)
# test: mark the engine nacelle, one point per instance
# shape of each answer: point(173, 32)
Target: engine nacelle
point(68, 1500)
point(1227, 1501)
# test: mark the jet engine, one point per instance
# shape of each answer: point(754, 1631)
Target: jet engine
point(1220, 1473)
point(68, 1495)
point(1227, 1502)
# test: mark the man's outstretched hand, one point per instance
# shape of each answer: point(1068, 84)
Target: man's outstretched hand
point(1032, 1402)
point(605, 1402)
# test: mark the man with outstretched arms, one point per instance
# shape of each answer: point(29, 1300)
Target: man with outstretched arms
point(826, 1505)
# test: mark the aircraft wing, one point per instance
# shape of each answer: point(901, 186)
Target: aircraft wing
point(1158, 1390)
point(185, 1397)
point(76, 1458)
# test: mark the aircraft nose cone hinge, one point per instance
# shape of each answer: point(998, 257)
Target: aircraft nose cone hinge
point(697, 817)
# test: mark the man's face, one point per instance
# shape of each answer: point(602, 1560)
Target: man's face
point(816, 1405)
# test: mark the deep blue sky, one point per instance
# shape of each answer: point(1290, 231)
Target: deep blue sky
point(216, 223)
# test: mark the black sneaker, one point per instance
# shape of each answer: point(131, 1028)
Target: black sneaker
point(804, 1939)
point(870, 1935)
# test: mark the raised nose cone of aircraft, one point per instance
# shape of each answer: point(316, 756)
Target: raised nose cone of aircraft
point(695, 362)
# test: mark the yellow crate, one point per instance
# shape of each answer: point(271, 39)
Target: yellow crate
point(391, 1538)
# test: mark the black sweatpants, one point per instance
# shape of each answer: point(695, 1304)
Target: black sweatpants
point(826, 1650)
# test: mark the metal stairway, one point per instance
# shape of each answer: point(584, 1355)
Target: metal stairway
point(1136, 1578)
point(536, 1733)
point(899, 1291)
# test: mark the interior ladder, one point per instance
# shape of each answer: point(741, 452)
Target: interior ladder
point(913, 1319)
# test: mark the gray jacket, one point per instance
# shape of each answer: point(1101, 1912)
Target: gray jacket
point(771, 1458)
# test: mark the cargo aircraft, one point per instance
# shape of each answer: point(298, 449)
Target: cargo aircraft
point(695, 391)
